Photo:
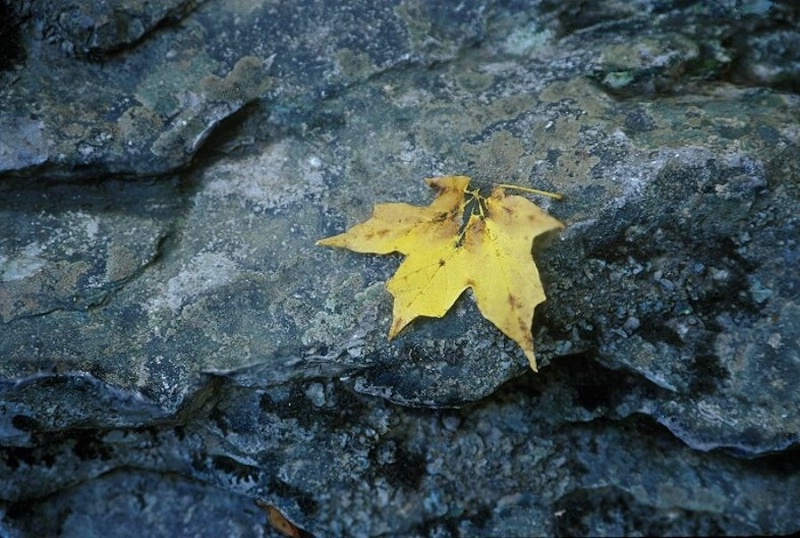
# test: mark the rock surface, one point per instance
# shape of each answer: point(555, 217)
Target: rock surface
point(175, 347)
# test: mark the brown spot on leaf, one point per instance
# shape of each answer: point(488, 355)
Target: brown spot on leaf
point(441, 217)
point(441, 262)
point(513, 302)
point(440, 184)
point(525, 328)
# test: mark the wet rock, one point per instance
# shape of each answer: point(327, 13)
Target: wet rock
point(108, 129)
point(187, 328)
point(147, 111)
point(74, 400)
point(769, 59)
point(162, 504)
point(12, 51)
point(713, 311)
point(71, 247)
point(92, 28)
point(512, 462)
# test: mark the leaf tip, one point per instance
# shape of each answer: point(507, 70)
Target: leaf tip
point(398, 324)
point(531, 360)
point(333, 241)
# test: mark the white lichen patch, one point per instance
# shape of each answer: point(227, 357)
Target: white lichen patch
point(205, 272)
point(22, 266)
point(285, 173)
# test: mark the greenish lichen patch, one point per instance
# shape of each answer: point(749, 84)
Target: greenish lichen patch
point(354, 65)
point(526, 39)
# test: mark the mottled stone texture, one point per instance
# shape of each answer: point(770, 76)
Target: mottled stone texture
point(173, 346)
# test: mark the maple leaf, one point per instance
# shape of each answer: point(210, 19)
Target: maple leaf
point(489, 251)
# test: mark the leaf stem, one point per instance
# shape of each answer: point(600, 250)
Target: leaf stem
point(553, 195)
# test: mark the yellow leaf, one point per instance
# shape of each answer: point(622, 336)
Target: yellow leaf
point(490, 254)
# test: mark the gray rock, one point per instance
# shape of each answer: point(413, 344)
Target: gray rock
point(770, 58)
point(70, 248)
point(158, 504)
point(93, 28)
point(175, 347)
point(148, 111)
